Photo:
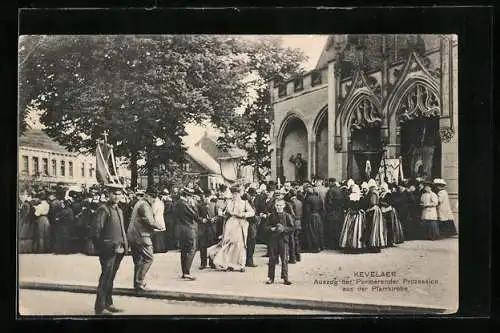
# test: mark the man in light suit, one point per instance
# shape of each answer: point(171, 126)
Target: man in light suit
point(140, 231)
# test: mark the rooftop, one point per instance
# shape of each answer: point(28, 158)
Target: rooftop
point(36, 138)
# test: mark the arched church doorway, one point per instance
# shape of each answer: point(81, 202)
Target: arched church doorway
point(294, 151)
point(421, 148)
point(365, 145)
point(322, 148)
point(418, 118)
point(365, 153)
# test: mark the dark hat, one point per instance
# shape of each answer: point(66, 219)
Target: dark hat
point(235, 189)
point(222, 187)
point(332, 180)
point(251, 191)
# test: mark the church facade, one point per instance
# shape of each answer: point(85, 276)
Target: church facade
point(372, 99)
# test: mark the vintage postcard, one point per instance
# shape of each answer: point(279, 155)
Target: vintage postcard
point(238, 175)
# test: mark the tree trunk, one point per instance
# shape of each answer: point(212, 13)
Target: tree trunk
point(150, 166)
point(133, 167)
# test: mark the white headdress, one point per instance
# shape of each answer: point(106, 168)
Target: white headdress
point(350, 183)
point(372, 183)
point(355, 193)
point(439, 181)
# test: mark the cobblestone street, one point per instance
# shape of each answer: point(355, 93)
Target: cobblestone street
point(314, 278)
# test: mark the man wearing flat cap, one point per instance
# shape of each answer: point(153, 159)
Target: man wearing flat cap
point(187, 218)
point(111, 243)
point(139, 234)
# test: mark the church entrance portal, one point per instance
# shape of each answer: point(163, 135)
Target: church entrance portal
point(365, 153)
point(421, 148)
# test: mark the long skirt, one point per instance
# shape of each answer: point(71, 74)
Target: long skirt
point(26, 235)
point(42, 242)
point(375, 235)
point(333, 228)
point(351, 236)
point(447, 228)
point(312, 230)
point(160, 242)
point(62, 239)
point(430, 229)
point(395, 233)
point(230, 252)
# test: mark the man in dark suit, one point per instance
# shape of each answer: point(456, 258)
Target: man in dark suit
point(206, 229)
point(111, 243)
point(252, 229)
point(187, 217)
point(279, 225)
point(296, 208)
point(139, 234)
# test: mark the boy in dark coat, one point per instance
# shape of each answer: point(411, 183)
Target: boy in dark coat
point(279, 226)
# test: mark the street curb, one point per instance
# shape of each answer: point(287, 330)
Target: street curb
point(244, 300)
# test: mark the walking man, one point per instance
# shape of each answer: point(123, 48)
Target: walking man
point(252, 229)
point(140, 231)
point(206, 229)
point(111, 243)
point(186, 214)
point(279, 225)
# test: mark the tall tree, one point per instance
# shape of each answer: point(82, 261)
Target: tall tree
point(267, 59)
point(141, 90)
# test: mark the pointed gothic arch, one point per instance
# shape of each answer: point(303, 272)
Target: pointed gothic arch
point(292, 139)
point(290, 117)
point(360, 108)
point(412, 112)
point(416, 93)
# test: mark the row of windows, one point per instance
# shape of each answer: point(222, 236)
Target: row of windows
point(44, 170)
point(298, 84)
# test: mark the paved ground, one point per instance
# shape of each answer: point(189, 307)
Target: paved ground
point(314, 278)
point(45, 303)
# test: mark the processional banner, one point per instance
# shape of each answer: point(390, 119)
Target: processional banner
point(391, 168)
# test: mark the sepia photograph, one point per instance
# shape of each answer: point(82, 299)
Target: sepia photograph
point(216, 175)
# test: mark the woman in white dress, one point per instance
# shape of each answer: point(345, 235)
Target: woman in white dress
point(230, 253)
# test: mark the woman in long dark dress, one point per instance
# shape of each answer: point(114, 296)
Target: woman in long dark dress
point(64, 227)
point(312, 209)
point(375, 233)
point(26, 226)
point(390, 217)
point(351, 236)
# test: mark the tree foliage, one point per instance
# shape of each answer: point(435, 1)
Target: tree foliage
point(267, 59)
point(140, 90)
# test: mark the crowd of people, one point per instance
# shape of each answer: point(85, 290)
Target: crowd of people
point(225, 225)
